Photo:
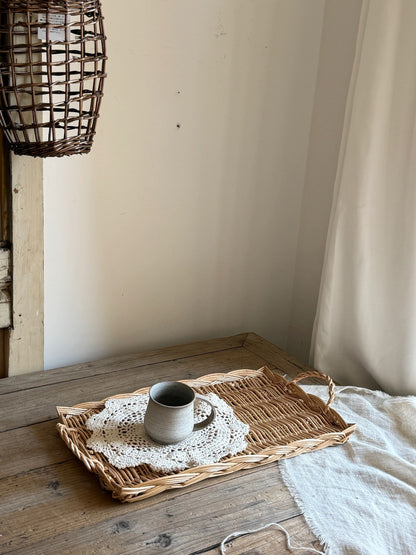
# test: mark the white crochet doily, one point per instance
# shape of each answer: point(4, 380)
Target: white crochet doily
point(118, 433)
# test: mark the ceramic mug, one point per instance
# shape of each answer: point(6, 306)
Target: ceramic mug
point(169, 416)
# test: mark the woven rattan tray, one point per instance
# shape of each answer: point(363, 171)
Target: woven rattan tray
point(284, 422)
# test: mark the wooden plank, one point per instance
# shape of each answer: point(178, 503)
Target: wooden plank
point(5, 237)
point(272, 540)
point(279, 360)
point(274, 355)
point(5, 309)
point(26, 337)
point(31, 406)
point(31, 447)
point(5, 196)
point(73, 515)
point(4, 352)
point(52, 504)
point(108, 365)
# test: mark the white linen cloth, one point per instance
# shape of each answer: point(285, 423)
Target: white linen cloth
point(365, 327)
point(360, 497)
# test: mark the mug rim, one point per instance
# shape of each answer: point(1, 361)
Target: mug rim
point(170, 383)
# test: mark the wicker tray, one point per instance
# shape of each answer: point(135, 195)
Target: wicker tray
point(284, 422)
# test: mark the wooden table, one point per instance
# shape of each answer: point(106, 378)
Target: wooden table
point(50, 503)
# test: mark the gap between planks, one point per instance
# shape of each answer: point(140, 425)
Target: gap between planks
point(208, 510)
point(261, 542)
point(137, 367)
point(27, 407)
point(108, 365)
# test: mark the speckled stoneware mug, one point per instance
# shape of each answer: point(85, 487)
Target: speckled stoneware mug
point(169, 416)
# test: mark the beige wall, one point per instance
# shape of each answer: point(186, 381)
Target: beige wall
point(183, 221)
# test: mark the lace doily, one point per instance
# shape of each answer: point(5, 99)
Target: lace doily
point(118, 433)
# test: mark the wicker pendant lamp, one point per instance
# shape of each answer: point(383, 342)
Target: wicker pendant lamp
point(52, 69)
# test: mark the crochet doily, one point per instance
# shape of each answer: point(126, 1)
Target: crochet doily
point(118, 433)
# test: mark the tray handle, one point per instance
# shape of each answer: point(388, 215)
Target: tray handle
point(324, 377)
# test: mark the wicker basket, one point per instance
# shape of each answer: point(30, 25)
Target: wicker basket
point(52, 68)
point(284, 422)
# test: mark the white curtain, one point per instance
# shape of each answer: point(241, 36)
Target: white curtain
point(365, 327)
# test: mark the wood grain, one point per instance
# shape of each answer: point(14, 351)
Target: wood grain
point(26, 337)
point(125, 362)
point(196, 516)
point(274, 355)
point(260, 542)
point(52, 504)
point(31, 447)
point(37, 404)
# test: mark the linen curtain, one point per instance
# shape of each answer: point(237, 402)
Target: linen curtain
point(365, 326)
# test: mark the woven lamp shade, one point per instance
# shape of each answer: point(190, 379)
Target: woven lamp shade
point(52, 69)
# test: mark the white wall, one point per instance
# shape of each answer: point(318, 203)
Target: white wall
point(166, 234)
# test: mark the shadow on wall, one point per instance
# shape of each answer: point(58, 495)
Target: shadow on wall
point(340, 28)
point(183, 221)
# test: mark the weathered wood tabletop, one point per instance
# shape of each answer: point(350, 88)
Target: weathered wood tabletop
point(50, 503)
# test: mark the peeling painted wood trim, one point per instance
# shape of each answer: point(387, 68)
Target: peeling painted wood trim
point(5, 284)
point(26, 336)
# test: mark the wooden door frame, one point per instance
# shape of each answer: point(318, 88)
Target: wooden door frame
point(26, 342)
point(5, 255)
